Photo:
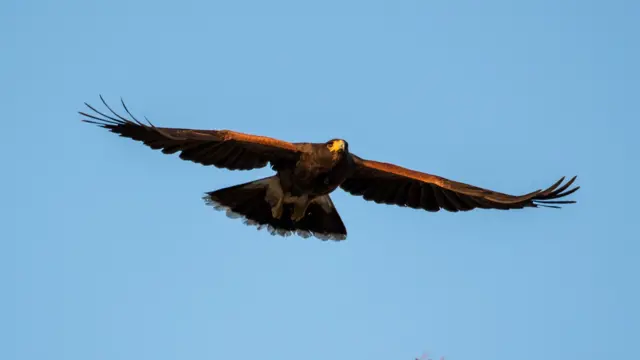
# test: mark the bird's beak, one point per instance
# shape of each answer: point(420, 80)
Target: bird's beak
point(337, 145)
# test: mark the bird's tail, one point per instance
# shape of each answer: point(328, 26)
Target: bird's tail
point(248, 201)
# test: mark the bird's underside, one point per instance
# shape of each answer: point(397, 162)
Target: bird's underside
point(296, 200)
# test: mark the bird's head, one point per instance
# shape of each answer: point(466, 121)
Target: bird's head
point(337, 146)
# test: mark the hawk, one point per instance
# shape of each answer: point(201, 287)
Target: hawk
point(296, 200)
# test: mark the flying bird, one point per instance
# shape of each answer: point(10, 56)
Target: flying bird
point(296, 200)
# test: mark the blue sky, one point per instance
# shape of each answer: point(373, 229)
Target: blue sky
point(108, 251)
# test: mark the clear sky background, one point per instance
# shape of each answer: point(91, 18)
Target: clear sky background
point(108, 251)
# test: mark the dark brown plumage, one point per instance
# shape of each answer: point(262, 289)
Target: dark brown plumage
point(296, 200)
point(390, 184)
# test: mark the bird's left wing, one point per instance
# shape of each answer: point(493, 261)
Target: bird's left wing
point(221, 148)
point(391, 184)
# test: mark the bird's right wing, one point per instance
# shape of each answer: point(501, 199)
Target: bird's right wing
point(221, 148)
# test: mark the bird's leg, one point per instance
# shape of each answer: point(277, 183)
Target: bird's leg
point(276, 210)
point(275, 198)
point(300, 208)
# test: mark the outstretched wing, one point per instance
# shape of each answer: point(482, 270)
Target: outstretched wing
point(391, 184)
point(221, 148)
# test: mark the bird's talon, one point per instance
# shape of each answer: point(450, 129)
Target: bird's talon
point(276, 212)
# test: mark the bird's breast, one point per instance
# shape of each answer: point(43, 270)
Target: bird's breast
point(317, 175)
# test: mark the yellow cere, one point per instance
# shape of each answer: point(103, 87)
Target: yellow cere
point(337, 145)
